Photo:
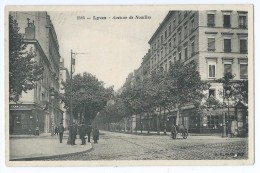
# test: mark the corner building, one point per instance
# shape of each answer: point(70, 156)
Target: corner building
point(217, 41)
point(37, 108)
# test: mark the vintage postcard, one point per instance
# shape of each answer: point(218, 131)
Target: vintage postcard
point(132, 85)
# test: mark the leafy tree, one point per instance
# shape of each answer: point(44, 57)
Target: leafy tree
point(239, 89)
point(24, 71)
point(185, 85)
point(89, 96)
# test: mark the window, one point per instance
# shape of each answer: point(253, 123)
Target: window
point(226, 18)
point(161, 39)
point(165, 67)
point(161, 53)
point(211, 20)
point(227, 68)
point(185, 31)
point(212, 93)
point(211, 44)
point(242, 21)
point(170, 28)
point(227, 45)
point(174, 23)
point(174, 41)
point(186, 52)
point(243, 46)
point(211, 69)
point(174, 57)
point(179, 17)
point(192, 25)
point(170, 44)
point(179, 54)
point(179, 36)
point(192, 48)
point(243, 71)
point(165, 34)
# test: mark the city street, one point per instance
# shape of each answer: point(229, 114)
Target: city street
point(119, 146)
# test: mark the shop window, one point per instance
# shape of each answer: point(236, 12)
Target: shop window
point(213, 122)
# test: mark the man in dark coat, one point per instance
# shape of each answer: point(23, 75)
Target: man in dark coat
point(174, 131)
point(82, 133)
point(61, 131)
point(89, 129)
point(73, 133)
point(95, 135)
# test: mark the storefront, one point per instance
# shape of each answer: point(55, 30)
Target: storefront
point(25, 118)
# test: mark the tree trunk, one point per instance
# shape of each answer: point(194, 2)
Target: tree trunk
point(158, 123)
point(141, 128)
point(131, 124)
point(164, 119)
point(125, 124)
point(178, 115)
point(149, 125)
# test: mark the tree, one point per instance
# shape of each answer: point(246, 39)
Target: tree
point(24, 71)
point(89, 96)
point(239, 89)
point(185, 85)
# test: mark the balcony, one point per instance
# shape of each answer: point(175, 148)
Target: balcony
point(211, 24)
point(226, 25)
point(243, 26)
point(227, 50)
point(243, 50)
point(211, 50)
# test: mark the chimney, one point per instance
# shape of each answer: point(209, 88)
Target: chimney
point(30, 30)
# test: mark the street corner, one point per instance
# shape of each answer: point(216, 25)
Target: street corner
point(43, 148)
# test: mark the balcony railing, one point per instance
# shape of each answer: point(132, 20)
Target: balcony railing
point(243, 26)
point(243, 50)
point(228, 25)
point(211, 49)
point(227, 50)
point(211, 24)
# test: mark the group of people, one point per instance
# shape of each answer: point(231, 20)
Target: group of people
point(84, 132)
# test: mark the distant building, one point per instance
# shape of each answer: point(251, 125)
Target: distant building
point(64, 76)
point(37, 107)
point(217, 41)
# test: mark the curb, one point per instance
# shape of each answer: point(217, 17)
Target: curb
point(50, 156)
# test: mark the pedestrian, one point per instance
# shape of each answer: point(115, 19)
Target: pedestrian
point(61, 131)
point(234, 128)
point(37, 131)
point(95, 135)
point(89, 130)
point(82, 133)
point(174, 131)
point(72, 133)
point(56, 131)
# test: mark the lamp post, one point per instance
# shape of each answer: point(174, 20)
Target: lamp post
point(226, 94)
point(52, 94)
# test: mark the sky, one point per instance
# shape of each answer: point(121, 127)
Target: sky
point(114, 47)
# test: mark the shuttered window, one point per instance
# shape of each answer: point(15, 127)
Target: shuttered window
point(226, 20)
point(211, 20)
point(211, 44)
point(227, 45)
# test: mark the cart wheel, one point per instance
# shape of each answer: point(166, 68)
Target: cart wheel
point(184, 135)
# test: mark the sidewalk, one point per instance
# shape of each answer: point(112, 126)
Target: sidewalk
point(26, 147)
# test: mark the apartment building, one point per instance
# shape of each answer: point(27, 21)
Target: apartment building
point(39, 107)
point(217, 41)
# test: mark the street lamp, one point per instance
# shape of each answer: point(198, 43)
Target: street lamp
point(52, 94)
point(227, 94)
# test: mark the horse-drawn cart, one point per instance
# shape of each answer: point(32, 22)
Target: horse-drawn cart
point(179, 130)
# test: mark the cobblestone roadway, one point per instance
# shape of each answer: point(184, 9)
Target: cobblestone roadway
point(118, 146)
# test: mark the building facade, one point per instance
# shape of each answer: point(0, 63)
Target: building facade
point(39, 107)
point(217, 41)
point(64, 76)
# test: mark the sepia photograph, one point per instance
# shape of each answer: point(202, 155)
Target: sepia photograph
point(129, 85)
